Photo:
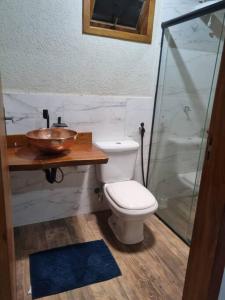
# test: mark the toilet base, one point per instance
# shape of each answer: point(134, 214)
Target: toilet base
point(126, 231)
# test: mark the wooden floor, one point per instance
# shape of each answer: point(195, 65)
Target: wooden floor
point(154, 269)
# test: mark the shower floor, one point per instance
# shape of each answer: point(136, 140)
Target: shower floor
point(153, 269)
point(180, 215)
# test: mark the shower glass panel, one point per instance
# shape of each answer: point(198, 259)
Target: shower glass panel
point(190, 59)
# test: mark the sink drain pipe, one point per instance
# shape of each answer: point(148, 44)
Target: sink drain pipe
point(54, 175)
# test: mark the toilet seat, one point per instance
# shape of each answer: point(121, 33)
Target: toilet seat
point(131, 204)
point(131, 195)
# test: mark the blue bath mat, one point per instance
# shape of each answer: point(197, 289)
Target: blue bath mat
point(66, 268)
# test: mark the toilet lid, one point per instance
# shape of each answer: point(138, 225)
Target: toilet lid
point(130, 195)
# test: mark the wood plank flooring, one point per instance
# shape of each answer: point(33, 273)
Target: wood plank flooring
point(154, 269)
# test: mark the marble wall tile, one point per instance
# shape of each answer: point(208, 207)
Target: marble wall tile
point(37, 201)
point(26, 110)
point(104, 116)
point(137, 112)
point(109, 118)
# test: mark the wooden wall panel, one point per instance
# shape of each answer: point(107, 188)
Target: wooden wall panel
point(7, 256)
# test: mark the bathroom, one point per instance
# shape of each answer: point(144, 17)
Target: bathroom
point(108, 86)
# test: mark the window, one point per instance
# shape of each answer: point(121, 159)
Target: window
point(123, 19)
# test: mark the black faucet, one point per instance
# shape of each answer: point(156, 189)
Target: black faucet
point(59, 123)
point(46, 117)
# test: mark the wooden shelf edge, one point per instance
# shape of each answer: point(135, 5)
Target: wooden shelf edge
point(22, 157)
point(16, 168)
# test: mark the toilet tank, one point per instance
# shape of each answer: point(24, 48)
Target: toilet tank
point(122, 158)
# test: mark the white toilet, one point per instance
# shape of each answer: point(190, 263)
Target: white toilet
point(131, 203)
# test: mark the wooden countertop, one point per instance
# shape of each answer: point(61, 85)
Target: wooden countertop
point(21, 156)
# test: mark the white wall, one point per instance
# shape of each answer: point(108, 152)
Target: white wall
point(43, 50)
point(46, 62)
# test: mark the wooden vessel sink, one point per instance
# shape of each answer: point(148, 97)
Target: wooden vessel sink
point(52, 140)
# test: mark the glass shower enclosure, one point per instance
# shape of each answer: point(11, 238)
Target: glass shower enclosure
point(189, 63)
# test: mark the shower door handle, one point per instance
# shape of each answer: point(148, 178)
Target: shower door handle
point(209, 148)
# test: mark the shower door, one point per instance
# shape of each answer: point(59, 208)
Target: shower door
point(190, 60)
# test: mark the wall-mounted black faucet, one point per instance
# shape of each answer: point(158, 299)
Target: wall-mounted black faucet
point(59, 120)
point(59, 123)
point(46, 117)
